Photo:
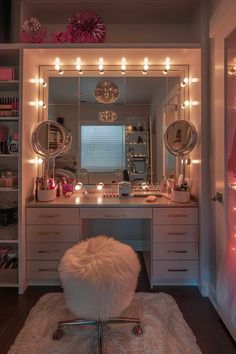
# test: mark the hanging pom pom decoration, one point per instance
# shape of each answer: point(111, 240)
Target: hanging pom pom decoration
point(32, 31)
point(86, 27)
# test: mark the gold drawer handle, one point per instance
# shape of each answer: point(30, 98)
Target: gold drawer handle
point(175, 251)
point(115, 216)
point(177, 270)
point(49, 216)
point(177, 233)
point(47, 270)
point(49, 233)
point(177, 216)
point(51, 251)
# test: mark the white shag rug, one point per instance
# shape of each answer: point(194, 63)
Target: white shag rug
point(165, 330)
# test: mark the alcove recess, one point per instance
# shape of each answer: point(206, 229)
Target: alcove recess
point(126, 21)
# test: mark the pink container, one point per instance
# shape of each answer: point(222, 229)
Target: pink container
point(6, 74)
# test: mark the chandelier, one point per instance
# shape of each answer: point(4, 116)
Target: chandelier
point(107, 116)
point(106, 92)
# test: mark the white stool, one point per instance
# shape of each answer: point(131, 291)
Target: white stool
point(99, 277)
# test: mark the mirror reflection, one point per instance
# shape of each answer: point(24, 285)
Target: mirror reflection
point(122, 137)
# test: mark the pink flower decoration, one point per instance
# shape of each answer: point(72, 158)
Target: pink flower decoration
point(61, 37)
point(32, 31)
point(86, 27)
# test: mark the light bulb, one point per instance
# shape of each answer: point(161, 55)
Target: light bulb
point(165, 72)
point(145, 66)
point(185, 104)
point(184, 82)
point(79, 66)
point(57, 67)
point(100, 186)
point(40, 103)
point(123, 66)
point(39, 160)
point(78, 186)
point(167, 65)
point(101, 66)
point(60, 71)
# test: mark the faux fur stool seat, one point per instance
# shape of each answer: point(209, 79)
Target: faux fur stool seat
point(99, 277)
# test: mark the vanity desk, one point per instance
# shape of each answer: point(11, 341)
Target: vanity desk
point(166, 232)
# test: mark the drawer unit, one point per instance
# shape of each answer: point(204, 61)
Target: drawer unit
point(175, 216)
point(58, 216)
point(175, 270)
point(42, 270)
point(116, 213)
point(53, 233)
point(50, 232)
point(175, 233)
point(47, 251)
point(179, 250)
point(175, 245)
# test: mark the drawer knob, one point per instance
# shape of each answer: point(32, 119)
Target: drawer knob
point(177, 233)
point(49, 233)
point(177, 270)
point(47, 270)
point(49, 216)
point(49, 251)
point(177, 251)
point(177, 216)
point(115, 216)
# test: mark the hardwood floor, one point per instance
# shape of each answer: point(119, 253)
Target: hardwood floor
point(211, 334)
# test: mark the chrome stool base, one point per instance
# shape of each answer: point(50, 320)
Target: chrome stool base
point(59, 333)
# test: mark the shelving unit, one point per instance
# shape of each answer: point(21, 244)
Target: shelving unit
point(137, 151)
point(9, 167)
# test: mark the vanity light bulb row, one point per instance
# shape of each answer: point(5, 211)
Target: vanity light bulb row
point(123, 67)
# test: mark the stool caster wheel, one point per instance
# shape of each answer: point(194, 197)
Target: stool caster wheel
point(138, 331)
point(58, 334)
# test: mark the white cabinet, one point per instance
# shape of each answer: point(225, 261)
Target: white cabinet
point(50, 232)
point(175, 246)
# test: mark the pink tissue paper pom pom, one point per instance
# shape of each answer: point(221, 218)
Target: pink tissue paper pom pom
point(86, 27)
point(61, 37)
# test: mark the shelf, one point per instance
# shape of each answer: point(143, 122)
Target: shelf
point(9, 85)
point(9, 155)
point(7, 119)
point(2, 189)
point(8, 241)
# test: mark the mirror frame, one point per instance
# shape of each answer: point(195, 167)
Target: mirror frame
point(40, 149)
point(187, 148)
point(179, 70)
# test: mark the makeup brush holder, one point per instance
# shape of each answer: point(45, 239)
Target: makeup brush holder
point(180, 196)
point(46, 195)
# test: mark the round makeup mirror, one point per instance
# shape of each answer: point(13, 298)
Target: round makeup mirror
point(50, 139)
point(180, 137)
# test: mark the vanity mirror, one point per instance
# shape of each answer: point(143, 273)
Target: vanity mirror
point(125, 133)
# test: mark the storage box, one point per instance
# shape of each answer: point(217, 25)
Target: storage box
point(6, 74)
point(46, 195)
point(8, 216)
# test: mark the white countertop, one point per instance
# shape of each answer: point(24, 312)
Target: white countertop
point(96, 200)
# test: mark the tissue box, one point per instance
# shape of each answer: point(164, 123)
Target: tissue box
point(6, 74)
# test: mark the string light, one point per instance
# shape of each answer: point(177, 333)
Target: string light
point(41, 104)
point(123, 66)
point(101, 66)
point(42, 82)
point(100, 186)
point(78, 186)
point(57, 64)
point(167, 66)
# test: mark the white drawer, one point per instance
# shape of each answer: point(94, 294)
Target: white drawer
point(183, 270)
point(47, 251)
point(37, 270)
point(162, 216)
point(175, 233)
point(162, 251)
point(52, 216)
point(116, 213)
point(53, 233)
